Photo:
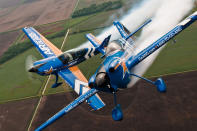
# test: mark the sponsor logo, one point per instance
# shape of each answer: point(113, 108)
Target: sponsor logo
point(72, 105)
point(160, 42)
point(80, 100)
point(41, 44)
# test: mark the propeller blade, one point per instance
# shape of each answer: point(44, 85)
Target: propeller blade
point(29, 63)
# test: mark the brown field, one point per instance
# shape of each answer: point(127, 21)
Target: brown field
point(47, 29)
point(6, 39)
point(16, 115)
point(144, 109)
point(29, 13)
point(50, 28)
point(9, 3)
point(87, 3)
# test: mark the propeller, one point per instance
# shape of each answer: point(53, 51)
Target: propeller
point(29, 63)
point(102, 80)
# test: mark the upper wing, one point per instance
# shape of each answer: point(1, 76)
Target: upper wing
point(72, 75)
point(79, 83)
point(45, 47)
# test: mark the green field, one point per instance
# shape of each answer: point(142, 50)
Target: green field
point(177, 57)
point(15, 81)
point(86, 3)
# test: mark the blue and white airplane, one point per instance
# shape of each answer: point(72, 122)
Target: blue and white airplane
point(113, 74)
point(63, 64)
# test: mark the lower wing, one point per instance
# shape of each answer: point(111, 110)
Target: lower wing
point(67, 109)
point(79, 83)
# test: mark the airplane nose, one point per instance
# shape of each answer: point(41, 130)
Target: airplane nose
point(102, 79)
point(32, 69)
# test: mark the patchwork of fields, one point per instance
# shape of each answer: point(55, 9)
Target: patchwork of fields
point(16, 14)
point(17, 84)
point(28, 86)
point(142, 105)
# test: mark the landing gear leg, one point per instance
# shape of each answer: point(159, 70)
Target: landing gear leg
point(159, 83)
point(56, 84)
point(117, 114)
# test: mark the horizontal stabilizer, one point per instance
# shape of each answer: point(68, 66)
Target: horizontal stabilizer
point(97, 44)
point(142, 26)
point(124, 32)
point(94, 41)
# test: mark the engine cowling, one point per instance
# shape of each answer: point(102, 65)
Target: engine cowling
point(100, 81)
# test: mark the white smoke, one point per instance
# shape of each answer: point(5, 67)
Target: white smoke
point(168, 14)
point(164, 13)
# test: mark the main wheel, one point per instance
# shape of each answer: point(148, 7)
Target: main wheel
point(56, 85)
point(117, 114)
point(161, 86)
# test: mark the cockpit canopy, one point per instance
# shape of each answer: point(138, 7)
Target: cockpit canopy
point(114, 45)
point(72, 55)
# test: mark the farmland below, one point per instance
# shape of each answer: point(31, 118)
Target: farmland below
point(20, 91)
point(142, 105)
point(31, 85)
point(15, 14)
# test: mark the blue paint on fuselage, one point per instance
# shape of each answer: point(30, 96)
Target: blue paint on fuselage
point(52, 63)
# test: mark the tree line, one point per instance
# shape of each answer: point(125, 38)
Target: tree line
point(106, 6)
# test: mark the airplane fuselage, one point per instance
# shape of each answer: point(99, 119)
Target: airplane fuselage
point(112, 68)
point(67, 59)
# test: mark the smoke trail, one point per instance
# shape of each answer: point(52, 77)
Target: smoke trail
point(164, 19)
point(136, 16)
point(164, 13)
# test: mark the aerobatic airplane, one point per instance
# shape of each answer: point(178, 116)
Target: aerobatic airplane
point(113, 74)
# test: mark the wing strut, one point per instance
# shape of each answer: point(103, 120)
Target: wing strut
point(68, 108)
